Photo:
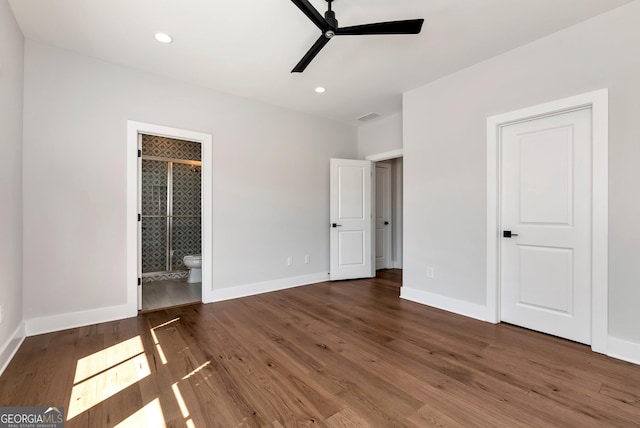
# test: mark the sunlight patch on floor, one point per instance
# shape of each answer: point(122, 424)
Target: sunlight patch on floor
point(164, 324)
point(108, 383)
point(183, 407)
point(100, 361)
point(196, 370)
point(149, 416)
point(163, 358)
point(180, 400)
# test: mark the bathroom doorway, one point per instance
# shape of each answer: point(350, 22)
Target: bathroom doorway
point(170, 201)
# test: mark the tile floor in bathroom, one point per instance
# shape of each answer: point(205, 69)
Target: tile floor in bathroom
point(164, 294)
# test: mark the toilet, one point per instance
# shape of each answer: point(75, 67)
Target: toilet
point(194, 263)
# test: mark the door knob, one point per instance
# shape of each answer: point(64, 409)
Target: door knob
point(335, 225)
point(386, 223)
point(508, 234)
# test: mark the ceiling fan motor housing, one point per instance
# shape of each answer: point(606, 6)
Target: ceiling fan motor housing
point(330, 17)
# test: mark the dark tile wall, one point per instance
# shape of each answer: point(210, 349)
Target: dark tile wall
point(186, 212)
point(186, 203)
point(169, 148)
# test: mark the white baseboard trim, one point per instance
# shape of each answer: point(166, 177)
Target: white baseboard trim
point(449, 304)
point(624, 350)
point(266, 286)
point(59, 322)
point(10, 348)
point(617, 348)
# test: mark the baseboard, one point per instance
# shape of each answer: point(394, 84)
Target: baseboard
point(10, 348)
point(623, 350)
point(449, 304)
point(59, 322)
point(266, 287)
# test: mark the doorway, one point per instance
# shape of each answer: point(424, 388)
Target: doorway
point(171, 221)
point(354, 249)
point(388, 213)
point(547, 218)
point(134, 209)
point(545, 257)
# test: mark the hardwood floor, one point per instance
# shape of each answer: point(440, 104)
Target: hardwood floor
point(342, 354)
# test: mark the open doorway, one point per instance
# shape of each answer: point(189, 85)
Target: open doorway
point(388, 218)
point(365, 231)
point(134, 209)
point(170, 196)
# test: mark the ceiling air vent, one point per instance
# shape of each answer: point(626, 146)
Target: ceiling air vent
point(367, 117)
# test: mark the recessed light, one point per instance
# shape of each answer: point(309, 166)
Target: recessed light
point(163, 38)
point(320, 89)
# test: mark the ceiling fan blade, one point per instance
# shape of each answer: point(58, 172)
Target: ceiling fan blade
point(312, 14)
point(311, 54)
point(412, 26)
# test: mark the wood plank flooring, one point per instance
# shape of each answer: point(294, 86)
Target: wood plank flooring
point(342, 354)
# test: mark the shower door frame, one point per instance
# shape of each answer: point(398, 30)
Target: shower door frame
point(134, 223)
point(169, 215)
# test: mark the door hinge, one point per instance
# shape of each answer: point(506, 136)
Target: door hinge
point(139, 281)
point(139, 217)
point(139, 153)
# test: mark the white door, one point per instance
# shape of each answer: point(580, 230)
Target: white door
point(546, 205)
point(383, 215)
point(350, 220)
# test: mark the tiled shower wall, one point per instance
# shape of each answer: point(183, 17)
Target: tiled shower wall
point(186, 203)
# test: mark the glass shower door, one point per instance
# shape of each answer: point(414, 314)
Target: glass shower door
point(186, 212)
point(155, 222)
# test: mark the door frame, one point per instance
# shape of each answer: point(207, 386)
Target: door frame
point(387, 190)
point(398, 220)
point(133, 130)
point(598, 102)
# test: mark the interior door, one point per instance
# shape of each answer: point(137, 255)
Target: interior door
point(545, 264)
point(350, 219)
point(383, 215)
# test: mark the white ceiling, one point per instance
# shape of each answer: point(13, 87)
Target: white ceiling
point(248, 47)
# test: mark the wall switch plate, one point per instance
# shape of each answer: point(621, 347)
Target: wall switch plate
point(307, 259)
point(289, 261)
point(430, 272)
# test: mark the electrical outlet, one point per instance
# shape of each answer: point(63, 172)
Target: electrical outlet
point(307, 259)
point(430, 272)
point(289, 261)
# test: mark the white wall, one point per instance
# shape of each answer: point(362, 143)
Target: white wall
point(380, 136)
point(11, 84)
point(445, 156)
point(270, 179)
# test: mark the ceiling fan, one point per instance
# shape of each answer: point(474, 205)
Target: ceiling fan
point(329, 27)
